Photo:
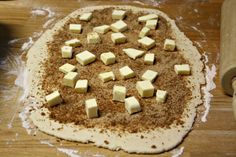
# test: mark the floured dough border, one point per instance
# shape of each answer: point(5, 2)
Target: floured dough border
point(162, 139)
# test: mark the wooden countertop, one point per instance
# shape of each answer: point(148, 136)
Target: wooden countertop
point(198, 19)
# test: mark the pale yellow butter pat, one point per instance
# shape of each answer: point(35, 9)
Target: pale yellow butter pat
point(70, 79)
point(132, 105)
point(66, 51)
point(86, 17)
point(161, 96)
point(67, 68)
point(101, 29)
point(169, 45)
point(147, 17)
point(107, 76)
point(81, 86)
point(149, 75)
point(133, 53)
point(152, 24)
point(76, 28)
point(119, 93)
point(126, 72)
point(182, 69)
point(108, 58)
point(145, 88)
point(149, 58)
point(119, 26)
point(118, 14)
point(147, 43)
point(144, 32)
point(118, 38)
point(85, 57)
point(54, 98)
point(73, 42)
point(93, 38)
point(91, 108)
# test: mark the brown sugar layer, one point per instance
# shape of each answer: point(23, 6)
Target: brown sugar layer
point(112, 115)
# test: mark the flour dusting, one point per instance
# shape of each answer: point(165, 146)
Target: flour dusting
point(138, 2)
point(43, 12)
point(210, 74)
point(48, 23)
point(47, 143)
point(177, 152)
point(13, 41)
point(199, 31)
point(69, 152)
point(27, 44)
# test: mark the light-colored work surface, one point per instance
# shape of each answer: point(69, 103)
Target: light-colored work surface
point(200, 20)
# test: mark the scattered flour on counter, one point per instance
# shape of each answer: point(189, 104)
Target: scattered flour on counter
point(43, 12)
point(98, 155)
point(37, 34)
point(25, 120)
point(177, 152)
point(210, 74)
point(93, 154)
point(38, 12)
point(179, 18)
point(69, 152)
point(48, 23)
point(138, 2)
point(13, 41)
point(27, 44)
point(195, 10)
point(199, 31)
point(47, 143)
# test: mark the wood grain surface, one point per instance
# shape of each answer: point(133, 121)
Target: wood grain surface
point(198, 19)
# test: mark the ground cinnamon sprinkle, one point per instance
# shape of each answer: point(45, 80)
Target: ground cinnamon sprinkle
point(113, 114)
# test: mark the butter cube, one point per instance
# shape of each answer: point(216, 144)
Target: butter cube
point(108, 58)
point(85, 57)
point(145, 88)
point(132, 105)
point(91, 108)
point(101, 29)
point(85, 17)
point(93, 38)
point(147, 17)
point(149, 58)
point(119, 93)
point(126, 72)
point(70, 79)
point(119, 26)
point(144, 32)
point(161, 96)
point(67, 68)
point(147, 43)
point(152, 24)
point(182, 69)
point(133, 53)
point(107, 76)
point(54, 98)
point(76, 28)
point(66, 51)
point(81, 86)
point(149, 75)
point(118, 38)
point(118, 14)
point(169, 45)
point(73, 42)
